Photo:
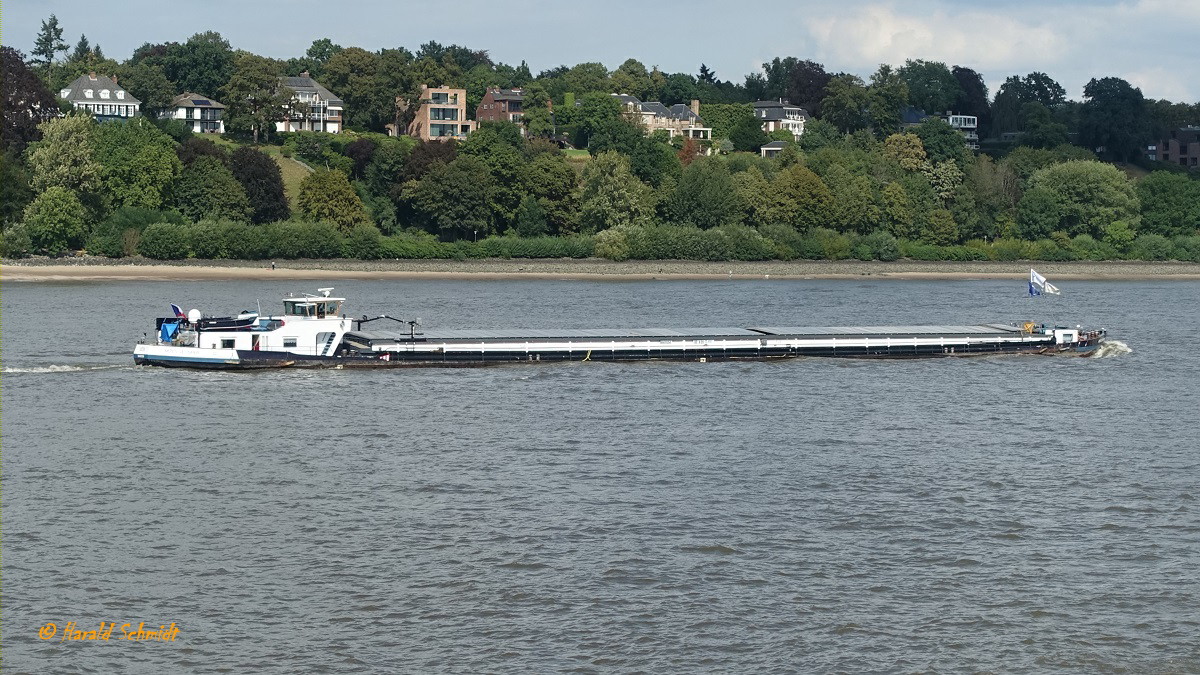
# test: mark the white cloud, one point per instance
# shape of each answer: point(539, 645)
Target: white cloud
point(883, 34)
point(1151, 43)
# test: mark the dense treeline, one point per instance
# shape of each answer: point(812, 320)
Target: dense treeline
point(856, 185)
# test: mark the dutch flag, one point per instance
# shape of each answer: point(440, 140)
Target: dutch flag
point(178, 312)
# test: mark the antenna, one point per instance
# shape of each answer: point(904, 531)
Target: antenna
point(325, 291)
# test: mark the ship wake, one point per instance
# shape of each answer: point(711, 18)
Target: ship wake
point(1112, 348)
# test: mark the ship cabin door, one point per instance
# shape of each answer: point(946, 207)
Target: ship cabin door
point(256, 342)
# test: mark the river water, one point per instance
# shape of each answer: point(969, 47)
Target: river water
point(1011, 514)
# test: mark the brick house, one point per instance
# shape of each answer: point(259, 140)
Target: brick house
point(501, 105)
point(1182, 147)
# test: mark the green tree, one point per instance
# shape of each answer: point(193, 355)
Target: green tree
point(326, 195)
point(65, 157)
point(846, 102)
point(906, 150)
point(1041, 129)
point(940, 230)
point(550, 180)
point(149, 84)
point(203, 64)
point(588, 77)
point(537, 117)
point(48, 44)
point(1038, 214)
point(1170, 204)
point(531, 219)
point(206, 190)
point(454, 199)
point(802, 199)
point(262, 180)
point(896, 214)
point(755, 196)
point(610, 196)
point(597, 112)
point(747, 135)
point(852, 207)
point(632, 78)
point(15, 194)
point(931, 86)
point(257, 99)
point(55, 221)
point(1090, 196)
point(353, 74)
point(704, 196)
point(941, 141)
point(1114, 117)
point(139, 163)
point(974, 97)
point(886, 98)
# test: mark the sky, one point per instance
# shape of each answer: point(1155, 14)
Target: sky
point(1151, 43)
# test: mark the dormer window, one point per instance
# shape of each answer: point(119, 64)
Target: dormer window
point(64, 93)
point(121, 95)
point(87, 93)
point(104, 93)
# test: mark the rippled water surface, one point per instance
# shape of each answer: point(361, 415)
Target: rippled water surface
point(1012, 514)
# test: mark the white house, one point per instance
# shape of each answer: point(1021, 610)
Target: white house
point(319, 109)
point(102, 97)
point(197, 112)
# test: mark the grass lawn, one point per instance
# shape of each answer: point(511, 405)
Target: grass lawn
point(576, 154)
point(293, 173)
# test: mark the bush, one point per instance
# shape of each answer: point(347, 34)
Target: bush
point(1152, 247)
point(15, 242)
point(786, 241)
point(878, 245)
point(744, 243)
point(363, 242)
point(1087, 248)
point(55, 221)
point(1187, 248)
point(243, 241)
point(612, 244)
point(413, 247)
point(164, 241)
point(834, 245)
point(207, 241)
point(117, 236)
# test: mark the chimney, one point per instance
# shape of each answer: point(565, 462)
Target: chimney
point(304, 73)
point(695, 107)
point(92, 75)
point(114, 79)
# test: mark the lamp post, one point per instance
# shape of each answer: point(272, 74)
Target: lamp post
point(476, 236)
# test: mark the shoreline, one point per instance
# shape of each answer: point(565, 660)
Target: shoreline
point(592, 269)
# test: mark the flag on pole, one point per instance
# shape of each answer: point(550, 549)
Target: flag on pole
point(1038, 284)
point(175, 308)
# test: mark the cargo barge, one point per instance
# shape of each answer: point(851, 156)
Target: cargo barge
point(312, 332)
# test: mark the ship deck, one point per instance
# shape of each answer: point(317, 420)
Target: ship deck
point(381, 338)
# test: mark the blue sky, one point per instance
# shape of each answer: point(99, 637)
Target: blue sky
point(1151, 43)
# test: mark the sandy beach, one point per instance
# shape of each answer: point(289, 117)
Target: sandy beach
point(103, 269)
